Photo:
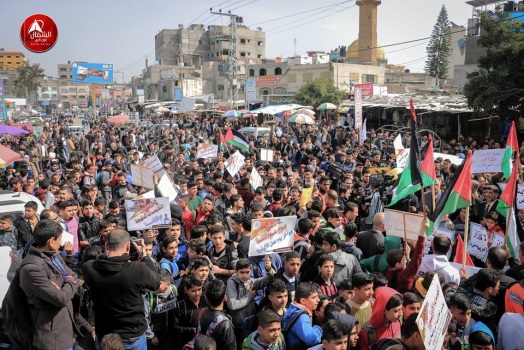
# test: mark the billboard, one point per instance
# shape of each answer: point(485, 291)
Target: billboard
point(366, 88)
point(92, 73)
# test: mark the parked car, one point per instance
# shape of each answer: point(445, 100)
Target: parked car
point(253, 133)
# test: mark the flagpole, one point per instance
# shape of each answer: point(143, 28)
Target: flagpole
point(466, 232)
point(423, 201)
point(433, 197)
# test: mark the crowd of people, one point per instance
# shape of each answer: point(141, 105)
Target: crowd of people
point(345, 284)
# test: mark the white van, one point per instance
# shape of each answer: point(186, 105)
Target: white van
point(12, 203)
point(253, 133)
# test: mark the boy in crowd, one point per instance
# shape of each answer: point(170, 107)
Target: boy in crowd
point(345, 292)
point(411, 305)
point(168, 262)
point(334, 336)
point(481, 338)
point(268, 335)
point(187, 309)
point(241, 291)
point(460, 307)
point(290, 272)
point(278, 295)
point(326, 268)
point(297, 325)
point(223, 256)
point(360, 302)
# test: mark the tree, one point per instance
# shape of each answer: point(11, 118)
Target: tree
point(498, 85)
point(318, 91)
point(439, 47)
point(28, 80)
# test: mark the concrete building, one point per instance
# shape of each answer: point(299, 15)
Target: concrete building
point(48, 91)
point(160, 81)
point(458, 50)
point(11, 60)
point(9, 77)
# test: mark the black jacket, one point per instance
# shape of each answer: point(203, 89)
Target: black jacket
point(88, 227)
point(224, 333)
point(115, 286)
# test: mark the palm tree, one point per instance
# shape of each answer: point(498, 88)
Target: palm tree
point(28, 80)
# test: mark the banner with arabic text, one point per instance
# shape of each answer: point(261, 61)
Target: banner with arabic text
point(144, 214)
point(272, 235)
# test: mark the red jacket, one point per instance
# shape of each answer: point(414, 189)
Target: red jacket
point(403, 281)
point(192, 218)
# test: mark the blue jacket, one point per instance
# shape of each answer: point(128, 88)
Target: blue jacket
point(302, 331)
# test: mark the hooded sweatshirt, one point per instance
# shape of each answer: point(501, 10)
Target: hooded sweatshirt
point(378, 263)
point(481, 327)
point(404, 280)
point(302, 331)
point(252, 342)
point(439, 263)
point(378, 321)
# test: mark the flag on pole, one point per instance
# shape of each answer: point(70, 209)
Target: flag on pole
point(238, 140)
point(457, 194)
point(512, 146)
point(229, 135)
point(222, 140)
point(363, 132)
point(507, 206)
point(411, 179)
point(427, 166)
point(459, 253)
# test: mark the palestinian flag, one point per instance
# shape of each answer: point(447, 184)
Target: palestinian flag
point(238, 140)
point(222, 140)
point(457, 194)
point(459, 253)
point(429, 174)
point(507, 201)
point(411, 178)
point(512, 146)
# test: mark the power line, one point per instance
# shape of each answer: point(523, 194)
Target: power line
point(243, 5)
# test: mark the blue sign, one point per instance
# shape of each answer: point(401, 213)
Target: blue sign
point(178, 94)
point(45, 103)
point(92, 73)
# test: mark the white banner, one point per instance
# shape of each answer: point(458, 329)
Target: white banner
point(478, 241)
point(487, 161)
point(235, 163)
point(154, 164)
point(434, 316)
point(272, 235)
point(255, 180)
point(166, 188)
point(144, 214)
point(402, 224)
point(205, 150)
point(358, 108)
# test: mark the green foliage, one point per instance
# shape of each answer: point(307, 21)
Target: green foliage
point(28, 79)
point(318, 91)
point(498, 85)
point(439, 47)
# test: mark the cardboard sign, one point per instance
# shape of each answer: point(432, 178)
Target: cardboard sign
point(154, 164)
point(402, 224)
point(266, 154)
point(205, 150)
point(166, 188)
point(235, 163)
point(66, 238)
point(520, 194)
point(487, 161)
point(306, 195)
point(272, 235)
point(142, 177)
point(478, 241)
point(144, 214)
point(255, 180)
point(434, 316)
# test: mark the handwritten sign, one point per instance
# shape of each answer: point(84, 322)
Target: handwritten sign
point(235, 163)
point(434, 316)
point(478, 241)
point(402, 159)
point(154, 164)
point(144, 214)
point(205, 150)
point(402, 224)
point(141, 176)
point(520, 194)
point(255, 180)
point(266, 154)
point(487, 161)
point(497, 240)
point(272, 235)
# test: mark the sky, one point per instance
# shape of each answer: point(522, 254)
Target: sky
point(122, 32)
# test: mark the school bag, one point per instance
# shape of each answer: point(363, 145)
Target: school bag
point(372, 334)
point(15, 312)
point(290, 324)
point(216, 322)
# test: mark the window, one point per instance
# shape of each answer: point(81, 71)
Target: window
point(82, 96)
point(62, 69)
point(220, 87)
point(9, 62)
point(262, 72)
point(242, 88)
point(260, 43)
point(307, 77)
point(354, 77)
point(251, 72)
point(200, 42)
point(8, 56)
point(225, 52)
point(278, 71)
point(279, 91)
point(369, 78)
point(72, 90)
point(45, 95)
point(291, 78)
point(259, 56)
point(164, 89)
point(242, 54)
point(17, 56)
point(242, 41)
point(265, 91)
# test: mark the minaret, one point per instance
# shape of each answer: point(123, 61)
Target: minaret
point(367, 33)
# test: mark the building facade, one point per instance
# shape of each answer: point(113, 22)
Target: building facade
point(11, 60)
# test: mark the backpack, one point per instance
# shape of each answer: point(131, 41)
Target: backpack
point(249, 325)
point(372, 335)
point(15, 312)
point(216, 322)
point(389, 344)
point(290, 324)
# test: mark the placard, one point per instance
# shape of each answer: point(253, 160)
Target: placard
point(154, 164)
point(434, 316)
point(478, 241)
point(144, 214)
point(235, 163)
point(266, 154)
point(255, 180)
point(141, 176)
point(66, 238)
point(205, 151)
point(487, 161)
point(470, 270)
point(272, 235)
point(166, 188)
point(402, 224)
point(520, 194)
point(497, 240)
point(305, 196)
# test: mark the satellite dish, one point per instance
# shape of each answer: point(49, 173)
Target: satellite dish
point(195, 74)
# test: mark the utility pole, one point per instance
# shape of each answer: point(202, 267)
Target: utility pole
point(232, 58)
